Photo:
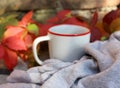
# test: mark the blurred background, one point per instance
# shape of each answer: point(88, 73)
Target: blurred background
point(44, 9)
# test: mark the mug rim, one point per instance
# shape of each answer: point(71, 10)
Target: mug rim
point(62, 34)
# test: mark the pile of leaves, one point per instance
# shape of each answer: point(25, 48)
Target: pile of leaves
point(111, 21)
point(16, 37)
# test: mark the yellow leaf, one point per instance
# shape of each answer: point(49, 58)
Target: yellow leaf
point(115, 25)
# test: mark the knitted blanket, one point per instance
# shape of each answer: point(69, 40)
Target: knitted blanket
point(99, 68)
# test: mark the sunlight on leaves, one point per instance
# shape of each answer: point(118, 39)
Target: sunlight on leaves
point(33, 28)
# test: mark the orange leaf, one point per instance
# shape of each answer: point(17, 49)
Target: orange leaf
point(26, 19)
point(13, 31)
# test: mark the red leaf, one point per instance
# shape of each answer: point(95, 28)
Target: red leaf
point(53, 20)
point(12, 31)
point(59, 17)
point(109, 17)
point(28, 40)
point(26, 19)
point(95, 34)
point(94, 19)
point(75, 21)
point(15, 43)
point(2, 51)
point(95, 31)
point(44, 29)
point(10, 59)
point(62, 14)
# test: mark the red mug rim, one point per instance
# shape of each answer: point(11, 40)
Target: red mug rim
point(62, 34)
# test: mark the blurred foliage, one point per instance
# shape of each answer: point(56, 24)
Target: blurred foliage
point(6, 20)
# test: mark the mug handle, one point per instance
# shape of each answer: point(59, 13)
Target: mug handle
point(35, 43)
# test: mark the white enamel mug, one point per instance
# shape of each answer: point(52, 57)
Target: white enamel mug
point(66, 42)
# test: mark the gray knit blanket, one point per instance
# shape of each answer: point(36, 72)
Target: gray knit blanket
point(99, 68)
